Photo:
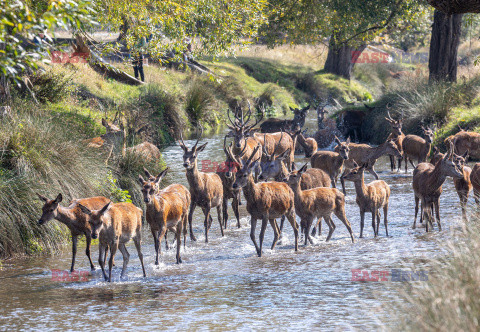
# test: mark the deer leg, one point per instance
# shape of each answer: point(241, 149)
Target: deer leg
point(157, 245)
point(334, 179)
point(190, 217)
point(463, 203)
point(293, 222)
point(319, 226)
point(166, 240)
point(262, 233)
point(113, 250)
point(385, 219)
point(253, 225)
point(411, 162)
point(161, 235)
point(206, 212)
point(126, 258)
point(276, 232)
point(235, 204)
point(219, 213)
point(340, 213)
point(378, 222)
point(88, 238)
point(342, 180)
point(374, 215)
point(331, 227)
point(362, 222)
point(405, 159)
point(101, 258)
point(371, 170)
point(308, 224)
point(178, 234)
point(416, 212)
point(399, 164)
point(137, 240)
point(185, 219)
point(437, 212)
point(282, 221)
point(74, 251)
point(225, 212)
point(392, 162)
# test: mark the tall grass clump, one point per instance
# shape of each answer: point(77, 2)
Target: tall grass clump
point(198, 103)
point(38, 155)
point(52, 86)
point(449, 301)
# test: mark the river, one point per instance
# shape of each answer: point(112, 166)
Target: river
point(223, 285)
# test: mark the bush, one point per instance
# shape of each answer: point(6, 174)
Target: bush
point(199, 102)
point(40, 156)
point(51, 86)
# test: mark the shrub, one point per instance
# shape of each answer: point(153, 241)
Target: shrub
point(199, 102)
point(51, 86)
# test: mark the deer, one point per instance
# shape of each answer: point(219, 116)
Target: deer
point(416, 147)
point(475, 180)
point(309, 144)
point(228, 174)
point(364, 154)
point(371, 197)
point(274, 125)
point(206, 188)
point(166, 209)
point(397, 136)
point(73, 218)
point(466, 141)
point(266, 201)
point(317, 203)
point(332, 162)
point(115, 225)
point(427, 186)
point(463, 186)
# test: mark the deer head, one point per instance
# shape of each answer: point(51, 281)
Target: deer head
point(97, 218)
point(49, 209)
point(342, 147)
point(246, 169)
point(150, 186)
point(190, 155)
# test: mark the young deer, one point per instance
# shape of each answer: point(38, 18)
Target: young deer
point(317, 203)
point(427, 186)
point(166, 209)
point(415, 147)
point(206, 188)
point(115, 225)
point(266, 201)
point(363, 154)
point(73, 218)
point(332, 162)
point(228, 174)
point(309, 145)
point(466, 141)
point(397, 136)
point(370, 198)
point(463, 185)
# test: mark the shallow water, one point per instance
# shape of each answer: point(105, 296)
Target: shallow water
point(223, 285)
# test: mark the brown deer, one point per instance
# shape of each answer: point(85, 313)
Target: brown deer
point(266, 201)
point(227, 173)
point(475, 180)
point(397, 136)
point(364, 154)
point(115, 225)
point(113, 139)
point(417, 148)
point(274, 125)
point(73, 218)
point(370, 198)
point(332, 162)
point(466, 141)
point(309, 145)
point(166, 209)
point(206, 188)
point(427, 186)
point(464, 184)
point(317, 203)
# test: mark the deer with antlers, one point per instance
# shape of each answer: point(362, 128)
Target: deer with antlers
point(206, 188)
point(266, 201)
point(166, 209)
point(397, 136)
point(427, 186)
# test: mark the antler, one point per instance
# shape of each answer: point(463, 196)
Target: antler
point(198, 138)
point(182, 143)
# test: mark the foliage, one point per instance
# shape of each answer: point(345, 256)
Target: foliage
point(115, 193)
point(51, 86)
point(214, 26)
point(19, 23)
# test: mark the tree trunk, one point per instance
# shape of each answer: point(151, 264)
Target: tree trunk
point(341, 59)
point(446, 30)
point(456, 6)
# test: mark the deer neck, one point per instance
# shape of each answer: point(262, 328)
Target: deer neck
point(66, 216)
point(378, 151)
point(193, 176)
point(250, 190)
point(283, 172)
point(360, 188)
point(437, 177)
point(301, 139)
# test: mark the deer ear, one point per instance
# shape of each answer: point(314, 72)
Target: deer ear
point(104, 122)
point(303, 169)
point(294, 167)
point(106, 208)
point(141, 180)
point(202, 147)
point(348, 140)
point(147, 173)
point(59, 198)
point(337, 140)
point(84, 209)
point(465, 156)
point(42, 198)
point(161, 175)
point(355, 164)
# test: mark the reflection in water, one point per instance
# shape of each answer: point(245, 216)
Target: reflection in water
point(223, 285)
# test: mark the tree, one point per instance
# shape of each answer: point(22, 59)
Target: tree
point(20, 22)
point(347, 25)
point(214, 27)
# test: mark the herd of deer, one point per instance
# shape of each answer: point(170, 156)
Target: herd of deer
point(254, 157)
